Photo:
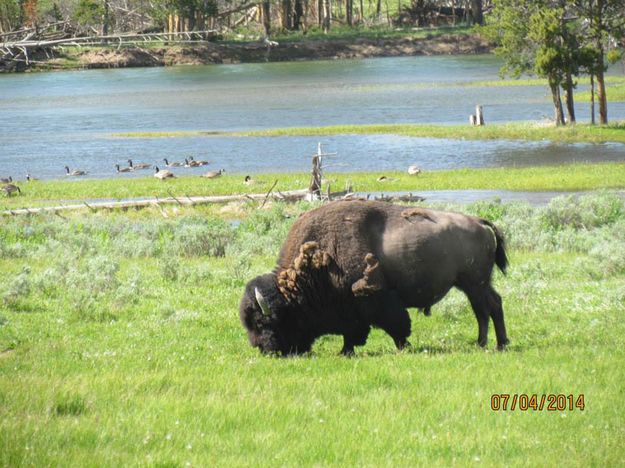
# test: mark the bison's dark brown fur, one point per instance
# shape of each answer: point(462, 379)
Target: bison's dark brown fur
point(350, 265)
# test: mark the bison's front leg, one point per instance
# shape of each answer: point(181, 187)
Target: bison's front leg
point(386, 311)
point(392, 317)
point(356, 335)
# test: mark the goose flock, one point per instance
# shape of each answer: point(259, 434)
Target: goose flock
point(9, 188)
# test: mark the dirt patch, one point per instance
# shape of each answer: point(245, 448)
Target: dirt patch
point(6, 353)
point(113, 58)
point(213, 53)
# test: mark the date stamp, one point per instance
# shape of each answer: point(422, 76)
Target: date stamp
point(535, 402)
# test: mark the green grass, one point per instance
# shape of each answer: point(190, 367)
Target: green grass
point(569, 177)
point(380, 32)
point(120, 345)
point(614, 132)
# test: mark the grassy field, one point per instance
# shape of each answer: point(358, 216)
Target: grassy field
point(614, 132)
point(570, 177)
point(120, 345)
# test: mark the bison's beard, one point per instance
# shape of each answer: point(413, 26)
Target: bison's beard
point(281, 330)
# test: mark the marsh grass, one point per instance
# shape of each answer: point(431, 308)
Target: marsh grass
point(152, 367)
point(613, 132)
point(568, 177)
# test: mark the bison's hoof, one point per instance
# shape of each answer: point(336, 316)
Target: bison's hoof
point(503, 346)
point(348, 352)
point(401, 343)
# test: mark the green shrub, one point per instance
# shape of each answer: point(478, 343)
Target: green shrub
point(195, 236)
point(18, 288)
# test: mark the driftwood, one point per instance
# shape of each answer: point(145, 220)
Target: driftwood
point(400, 198)
point(292, 195)
point(198, 36)
point(186, 200)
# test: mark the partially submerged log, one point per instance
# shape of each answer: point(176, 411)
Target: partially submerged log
point(400, 198)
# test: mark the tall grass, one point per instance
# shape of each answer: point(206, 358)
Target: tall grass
point(120, 344)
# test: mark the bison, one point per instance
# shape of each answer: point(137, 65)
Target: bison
point(351, 265)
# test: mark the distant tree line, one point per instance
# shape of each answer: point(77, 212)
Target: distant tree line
point(560, 40)
point(267, 16)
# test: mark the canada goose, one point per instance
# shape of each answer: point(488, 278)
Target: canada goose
point(213, 174)
point(75, 172)
point(138, 166)
point(123, 169)
point(6, 180)
point(382, 178)
point(30, 178)
point(248, 180)
point(10, 188)
point(197, 163)
point(190, 163)
point(162, 174)
point(414, 170)
point(172, 164)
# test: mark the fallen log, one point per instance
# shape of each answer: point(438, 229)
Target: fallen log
point(291, 195)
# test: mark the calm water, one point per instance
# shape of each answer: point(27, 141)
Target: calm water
point(49, 120)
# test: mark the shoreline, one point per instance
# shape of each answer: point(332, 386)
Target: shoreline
point(522, 130)
point(250, 52)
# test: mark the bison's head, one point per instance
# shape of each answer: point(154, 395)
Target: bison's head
point(273, 324)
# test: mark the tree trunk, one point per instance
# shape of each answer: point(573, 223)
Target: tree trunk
point(191, 22)
point(601, 97)
point(327, 15)
point(348, 12)
point(284, 14)
point(298, 12)
point(266, 9)
point(477, 17)
point(105, 19)
point(320, 4)
point(378, 9)
point(570, 104)
point(557, 102)
point(592, 99)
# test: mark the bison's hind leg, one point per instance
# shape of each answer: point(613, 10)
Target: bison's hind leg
point(496, 313)
point(486, 303)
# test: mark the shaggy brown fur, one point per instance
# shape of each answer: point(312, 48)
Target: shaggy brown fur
point(350, 265)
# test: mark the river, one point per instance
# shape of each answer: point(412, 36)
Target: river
point(49, 120)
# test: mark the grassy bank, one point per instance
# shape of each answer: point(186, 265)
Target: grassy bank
point(581, 133)
point(120, 345)
point(344, 33)
point(570, 177)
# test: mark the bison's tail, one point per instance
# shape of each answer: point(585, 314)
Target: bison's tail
point(501, 259)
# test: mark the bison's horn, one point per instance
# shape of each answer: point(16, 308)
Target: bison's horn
point(262, 302)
